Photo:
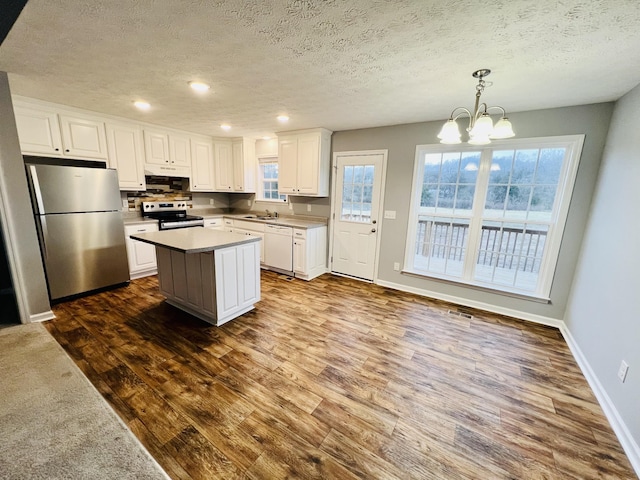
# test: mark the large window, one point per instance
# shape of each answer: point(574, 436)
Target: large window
point(494, 215)
point(268, 180)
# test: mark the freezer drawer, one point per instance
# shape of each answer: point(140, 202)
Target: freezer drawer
point(82, 251)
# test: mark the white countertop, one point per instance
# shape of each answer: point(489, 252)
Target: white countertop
point(285, 221)
point(289, 221)
point(194, 240)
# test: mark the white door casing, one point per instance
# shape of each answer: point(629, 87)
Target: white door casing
point(358, 185)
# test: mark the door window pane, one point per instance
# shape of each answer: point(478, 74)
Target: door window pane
point(357, 190)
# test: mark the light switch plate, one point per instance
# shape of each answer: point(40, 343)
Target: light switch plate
point(390, 214)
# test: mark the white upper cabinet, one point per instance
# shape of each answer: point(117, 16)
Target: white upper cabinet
point(304, 162)
point(126, 155)
point(235, 165)
point(244, 165)
point(42, 131)
point(165, 148)
point(156, 147)
point(223, 162)
point(179, 150)
point(38, 130)
point(202, 166)
point(83, 137)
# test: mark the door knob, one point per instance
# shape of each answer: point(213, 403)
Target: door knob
point(373, 230)
point(374, 222)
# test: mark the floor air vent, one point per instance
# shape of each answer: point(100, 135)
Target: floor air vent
point(457, 313)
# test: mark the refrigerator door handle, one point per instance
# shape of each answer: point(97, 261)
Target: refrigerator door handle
point(44, 234)
point(36, 189)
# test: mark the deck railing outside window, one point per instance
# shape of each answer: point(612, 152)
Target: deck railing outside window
point(502, 247)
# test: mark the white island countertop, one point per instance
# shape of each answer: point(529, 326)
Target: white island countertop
point(194, 240)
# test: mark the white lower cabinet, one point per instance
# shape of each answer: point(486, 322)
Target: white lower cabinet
point(141, 256)
point(253, 229)
point(309, 252)
point(215, 286)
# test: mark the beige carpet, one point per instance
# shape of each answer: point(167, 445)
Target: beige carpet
point(53, 423)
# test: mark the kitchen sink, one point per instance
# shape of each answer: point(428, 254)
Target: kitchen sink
point(260, 217)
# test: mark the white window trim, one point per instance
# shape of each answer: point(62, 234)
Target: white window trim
point(259, 191)
point(573, 144)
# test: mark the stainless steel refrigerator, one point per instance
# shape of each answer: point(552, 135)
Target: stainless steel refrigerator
point(80, 228)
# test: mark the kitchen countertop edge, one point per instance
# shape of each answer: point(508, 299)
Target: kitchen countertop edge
point(193, 241)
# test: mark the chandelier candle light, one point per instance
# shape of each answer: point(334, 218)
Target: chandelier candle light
point(481, 129)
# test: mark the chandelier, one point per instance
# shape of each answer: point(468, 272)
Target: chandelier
point(481, 129)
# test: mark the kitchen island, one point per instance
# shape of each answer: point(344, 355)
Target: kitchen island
point(210, 274)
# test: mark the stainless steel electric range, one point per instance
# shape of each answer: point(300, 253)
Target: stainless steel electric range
point(171, 214)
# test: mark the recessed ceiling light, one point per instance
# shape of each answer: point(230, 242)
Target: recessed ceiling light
point(283, 118)
point(225, 127)
point(141, 105)
point(199, 86)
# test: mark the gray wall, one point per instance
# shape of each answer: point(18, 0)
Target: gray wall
point(602, 314)
point(401, 141)
point(17, 218)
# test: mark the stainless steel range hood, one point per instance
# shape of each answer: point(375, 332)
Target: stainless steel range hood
point(167, 170)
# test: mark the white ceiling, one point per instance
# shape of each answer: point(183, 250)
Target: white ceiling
point(327, 63)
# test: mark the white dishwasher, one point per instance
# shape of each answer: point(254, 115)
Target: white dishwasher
point(278, 248)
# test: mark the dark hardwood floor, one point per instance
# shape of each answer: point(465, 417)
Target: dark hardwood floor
point(339, 379)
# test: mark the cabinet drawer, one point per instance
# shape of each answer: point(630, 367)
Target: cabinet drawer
point(300, 233)
point(213, 223)
point(133, 229)
point(228, 222)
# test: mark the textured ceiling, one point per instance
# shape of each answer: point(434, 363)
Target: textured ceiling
point(332, 63)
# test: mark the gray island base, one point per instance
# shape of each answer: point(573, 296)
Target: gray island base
point(210, 274)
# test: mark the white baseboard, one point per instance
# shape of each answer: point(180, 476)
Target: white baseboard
point(41, 317)
point(627, 441)
point(551, 322)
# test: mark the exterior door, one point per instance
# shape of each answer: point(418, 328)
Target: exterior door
point(358, 193)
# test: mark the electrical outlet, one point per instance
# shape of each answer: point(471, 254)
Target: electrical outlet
point(211, 202)
point(248, 203)
point(622, 371)
point(125, 204)
point(396, 266)
point(308, 207)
